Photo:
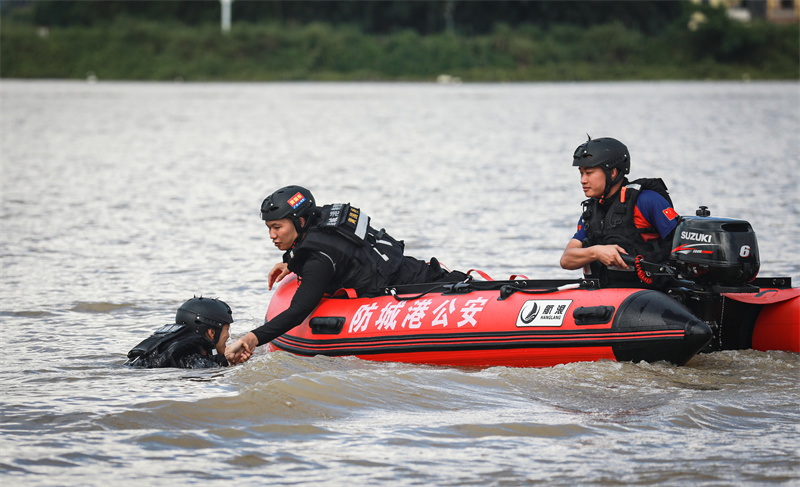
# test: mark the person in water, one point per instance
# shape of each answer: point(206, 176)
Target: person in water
point(620, 217)
point(196, 340)
point(330, 248)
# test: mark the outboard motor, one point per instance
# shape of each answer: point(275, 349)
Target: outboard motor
point(715, 251)
point(712, 270)
point(718, 255)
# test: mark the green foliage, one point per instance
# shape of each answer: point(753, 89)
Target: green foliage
point(426, 17)
point(134, 48)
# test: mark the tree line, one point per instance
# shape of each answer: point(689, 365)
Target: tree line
point(424, 17)
point(391, 40)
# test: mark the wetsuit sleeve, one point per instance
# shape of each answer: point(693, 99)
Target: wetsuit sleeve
point(658, 212)
point(317, 272)
point(581, 233)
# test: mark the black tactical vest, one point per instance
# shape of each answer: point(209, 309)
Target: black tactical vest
point(613, 223)
point(175, 345)
point(364, 259)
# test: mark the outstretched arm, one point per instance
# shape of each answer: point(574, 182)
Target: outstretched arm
point(317, 273)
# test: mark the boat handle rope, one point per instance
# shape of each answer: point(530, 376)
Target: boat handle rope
point(509, 289)
point(506, 290)
point(393, 292)
point(461, 287)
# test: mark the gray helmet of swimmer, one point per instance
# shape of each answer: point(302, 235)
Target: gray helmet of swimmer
point(608, 154)
point(202, 314)
point(293, 202)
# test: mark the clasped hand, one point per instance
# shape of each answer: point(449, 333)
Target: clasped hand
point(241, 350)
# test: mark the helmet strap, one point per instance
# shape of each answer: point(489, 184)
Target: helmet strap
point(301, 227)
point(610, 183)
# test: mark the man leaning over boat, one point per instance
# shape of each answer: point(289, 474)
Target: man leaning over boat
point(329, 248)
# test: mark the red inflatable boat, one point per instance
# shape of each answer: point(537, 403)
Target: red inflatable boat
point(711, 301)
point(467, 326)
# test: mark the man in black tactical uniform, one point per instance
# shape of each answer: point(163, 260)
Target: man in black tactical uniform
point(330, 248)
point(196, 340)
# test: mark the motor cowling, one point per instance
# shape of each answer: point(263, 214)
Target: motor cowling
point(710, 250)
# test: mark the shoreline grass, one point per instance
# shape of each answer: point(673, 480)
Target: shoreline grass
point(129, 49)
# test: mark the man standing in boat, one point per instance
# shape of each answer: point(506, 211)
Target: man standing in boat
point(620, 217)
point(330, 248)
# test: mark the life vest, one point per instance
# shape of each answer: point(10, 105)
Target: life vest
point(175, 345)
point(613, 223)
point(364, 259)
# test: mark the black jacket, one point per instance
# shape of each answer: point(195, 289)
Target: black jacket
point(175, 346)
point(332, 257)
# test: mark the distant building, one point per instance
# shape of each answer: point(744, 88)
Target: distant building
point(778, 11)
point(783, 11)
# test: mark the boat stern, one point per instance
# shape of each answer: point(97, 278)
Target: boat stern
point(667, 330)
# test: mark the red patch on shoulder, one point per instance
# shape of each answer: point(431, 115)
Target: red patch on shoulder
point(670, 213)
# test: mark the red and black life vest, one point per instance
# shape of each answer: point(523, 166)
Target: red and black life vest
point(613, 223)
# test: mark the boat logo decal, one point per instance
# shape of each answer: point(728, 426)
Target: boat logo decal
point(697, 237)
point(543, 312)
point(693, 249)
point(527, 318)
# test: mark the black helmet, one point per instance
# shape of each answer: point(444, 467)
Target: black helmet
point(293, 202)
point(204, 313)
point(607, 153)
